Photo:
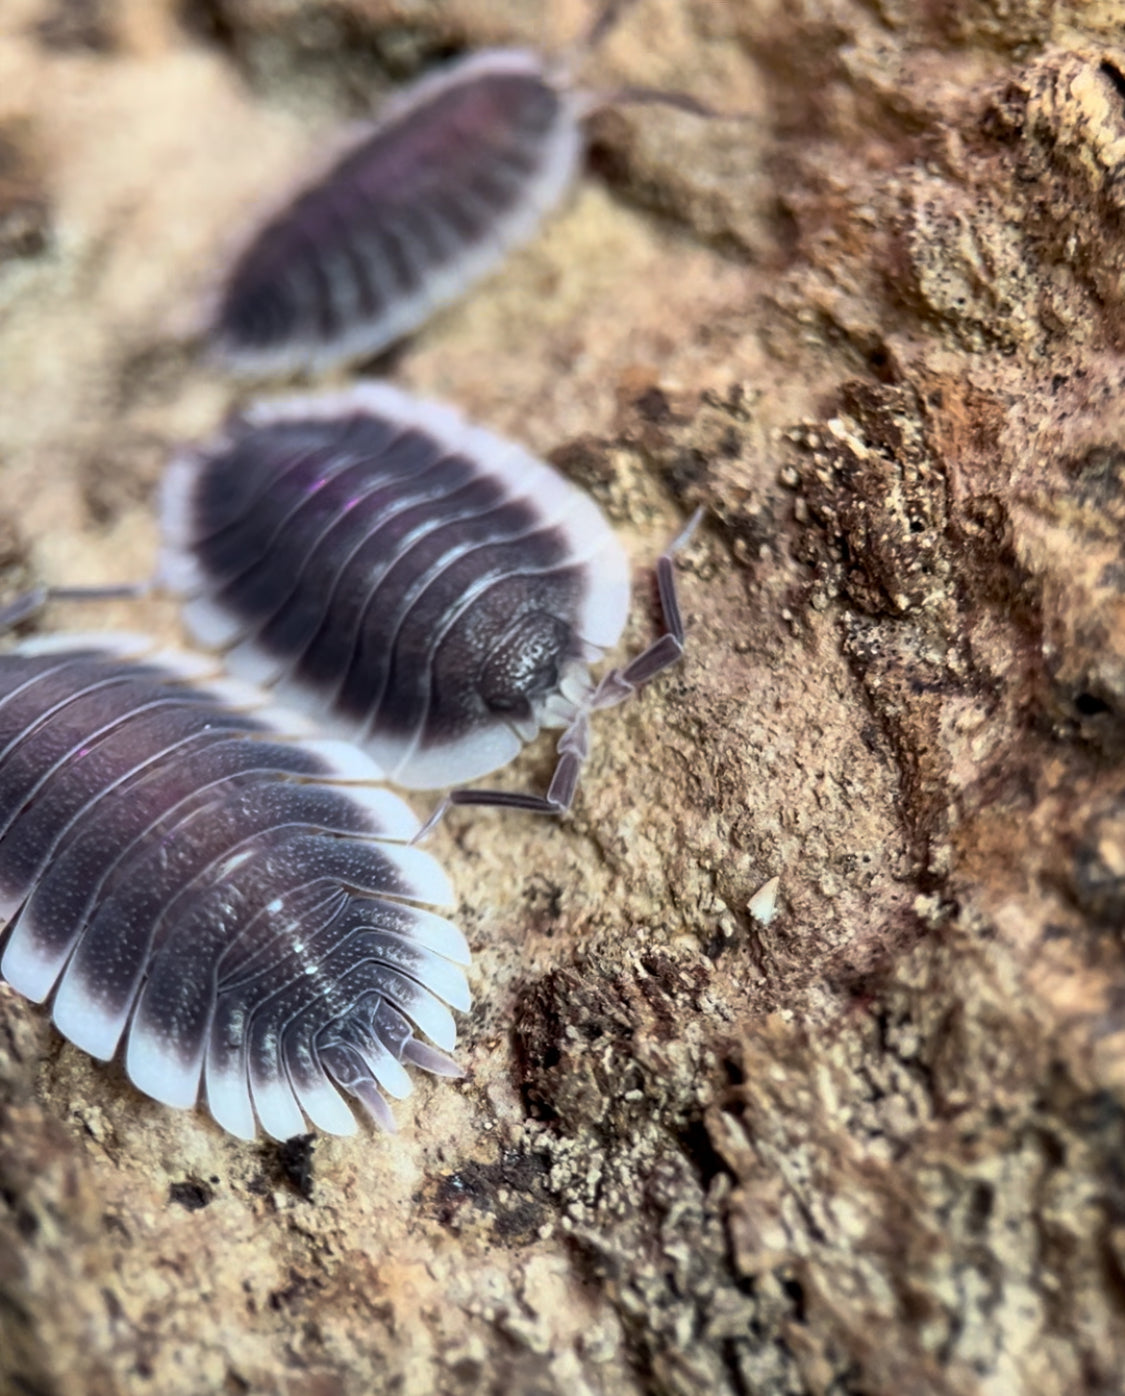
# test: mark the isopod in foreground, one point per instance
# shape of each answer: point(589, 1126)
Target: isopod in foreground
point(180, 876)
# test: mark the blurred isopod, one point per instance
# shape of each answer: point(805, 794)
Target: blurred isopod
point(239, 908)
point(457, 171)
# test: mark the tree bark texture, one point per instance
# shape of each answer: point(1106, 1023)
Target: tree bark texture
point(873, 322)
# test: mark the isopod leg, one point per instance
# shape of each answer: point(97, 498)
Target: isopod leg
point(574, 745)
point(22, 607)
point(122, 591)
point(573, 748)
point(604, 21)
point(507, 799)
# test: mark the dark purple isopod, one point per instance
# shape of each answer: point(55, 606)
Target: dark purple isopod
point(458, 170)
point(182, 877)
point(429, 590)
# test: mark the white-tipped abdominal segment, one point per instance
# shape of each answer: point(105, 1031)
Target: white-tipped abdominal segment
point(184, 879)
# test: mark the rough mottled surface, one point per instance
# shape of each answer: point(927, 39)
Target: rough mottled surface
point(874, 1146)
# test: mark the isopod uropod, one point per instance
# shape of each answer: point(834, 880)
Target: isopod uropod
point(179, 876)
point(429, 590)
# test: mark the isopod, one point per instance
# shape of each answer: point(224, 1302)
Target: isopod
point(430, 590)
point(185, 872)
point(458, 170)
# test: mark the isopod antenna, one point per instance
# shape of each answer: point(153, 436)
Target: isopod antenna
point(589, 101)
point(32, 601)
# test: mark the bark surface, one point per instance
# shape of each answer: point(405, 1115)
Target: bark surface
point(874, 1145)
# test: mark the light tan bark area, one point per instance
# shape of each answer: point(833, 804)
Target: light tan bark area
point(875, 1144)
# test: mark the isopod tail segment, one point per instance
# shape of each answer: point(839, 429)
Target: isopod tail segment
point(614, 688)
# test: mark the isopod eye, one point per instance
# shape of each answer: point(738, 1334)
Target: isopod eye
point(525, 663)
